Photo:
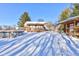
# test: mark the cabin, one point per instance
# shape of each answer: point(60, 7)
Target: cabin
point(71, 26)
point(35, 26)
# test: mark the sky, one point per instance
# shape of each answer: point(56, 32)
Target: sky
point(11, 12)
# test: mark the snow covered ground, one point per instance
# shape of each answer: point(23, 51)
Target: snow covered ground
point(40, 44)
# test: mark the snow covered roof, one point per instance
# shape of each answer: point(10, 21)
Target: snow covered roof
point(69, 19)
point(30, 22)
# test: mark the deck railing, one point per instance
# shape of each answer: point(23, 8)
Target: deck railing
point(11, 32)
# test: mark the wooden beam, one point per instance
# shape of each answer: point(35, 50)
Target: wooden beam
point(74, 27)
point(66, 28)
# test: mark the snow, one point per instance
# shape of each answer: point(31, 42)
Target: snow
point(40, 44)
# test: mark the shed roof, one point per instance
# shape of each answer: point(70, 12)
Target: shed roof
point(69, 19)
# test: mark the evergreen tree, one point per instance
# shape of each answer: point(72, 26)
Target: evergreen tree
point(75, 10)
point(25, 17)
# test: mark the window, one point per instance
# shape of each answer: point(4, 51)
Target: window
point(77, 23)
point(71, 27)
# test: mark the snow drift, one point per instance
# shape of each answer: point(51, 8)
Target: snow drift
point(40, 44)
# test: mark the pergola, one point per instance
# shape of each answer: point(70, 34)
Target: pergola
point(35, 26)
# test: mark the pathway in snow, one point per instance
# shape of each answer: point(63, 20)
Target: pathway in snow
point(40, 44)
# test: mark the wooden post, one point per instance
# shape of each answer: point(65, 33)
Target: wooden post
point(74, 27)
point(66, 28)
point(9, 34)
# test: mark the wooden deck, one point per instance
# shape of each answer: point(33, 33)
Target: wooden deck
point(10, 33)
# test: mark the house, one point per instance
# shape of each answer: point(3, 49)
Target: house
point(36, 26)
point(71, 26)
